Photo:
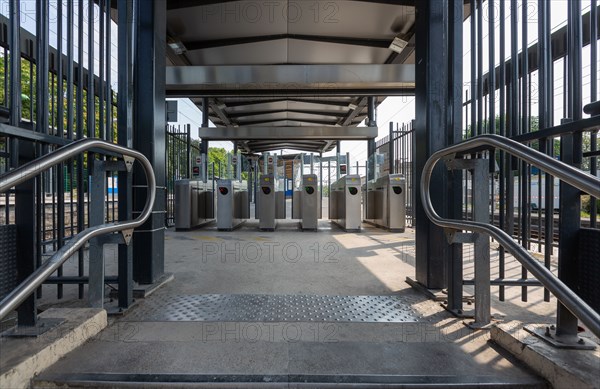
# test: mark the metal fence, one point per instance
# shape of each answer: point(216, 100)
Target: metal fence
point(519, 95)
point(59, 99)
point(181, 151)
point(398, 159)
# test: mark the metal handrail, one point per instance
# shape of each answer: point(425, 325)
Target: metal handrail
point(566, 173)
point(34, 168)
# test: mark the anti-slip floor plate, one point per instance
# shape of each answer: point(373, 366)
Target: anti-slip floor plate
point(276, 308)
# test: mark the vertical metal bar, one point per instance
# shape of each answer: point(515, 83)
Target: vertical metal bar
point(329, 186)
point(42, 116)
point(91, 95)
point(24, 193)
point(60, 177)
point(569, 225)
point(42, 13)
point(101, 118)
point(188, 151)
point(468, 102)
point(480, 67)
point(96, 217)
point(481, 248)
point(492, 67)
point(514, 111)
point(124, 137)
point(109, 103)
point(26, 229)
point(70, 98)
point(525, 173)
point(473, 49)
point(545, 145)
point(570, 205)
point(149, 134)
point(454, 121)
point(593, 97)
point(502, 131)
point(91, 106)
point(15, 65)
point(79, 118)
point(70, 61)
point(431, 101)
point(321, 182)
point(391, 157)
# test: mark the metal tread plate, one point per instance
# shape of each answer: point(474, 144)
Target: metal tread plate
point(276, 308)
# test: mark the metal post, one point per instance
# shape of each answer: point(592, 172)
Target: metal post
point(454, 121)
point(321, 182)
point(337, 160)
point(433, 252)
point(148, 243)
point(15, 63)
point(570, 152)
point(238, 166)
point(347, 163)
point(391, 155)
point(96, 253)
point(371, 122)
point(328, 185)
point(125, 38)
point(566, 326)
point(204, 144)
point(481, 249)
point(26, 231)
point(593, 97)
point(265, 163)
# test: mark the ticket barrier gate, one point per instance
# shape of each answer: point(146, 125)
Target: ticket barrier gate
point(194, 204)
point(232, 204)
point(345, 203)
point(385, 199)
point(309, 202)
point(267, 197)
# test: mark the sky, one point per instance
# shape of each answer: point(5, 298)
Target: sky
point(396, 109)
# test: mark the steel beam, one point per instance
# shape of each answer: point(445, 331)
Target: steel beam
point(285, 91)
point(179, 4)
point(208, 44)
point(291, 77)
point(220, 113)
point(288, 133)
point(265, 121)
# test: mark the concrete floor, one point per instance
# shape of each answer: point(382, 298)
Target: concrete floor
point(435, 348)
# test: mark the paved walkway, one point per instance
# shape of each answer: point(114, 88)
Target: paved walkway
point(267, 305)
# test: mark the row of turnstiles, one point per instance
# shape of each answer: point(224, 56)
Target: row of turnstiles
point(382, 201)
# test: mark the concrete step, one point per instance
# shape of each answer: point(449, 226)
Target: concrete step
point(59, 331)
point(287, 354)
point(101, 380)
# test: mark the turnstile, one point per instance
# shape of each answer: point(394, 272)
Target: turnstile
point(385, 200)
point(232, 204)
point(267, 202)
point(309, 202)
point(194, 204)
point(345, 202)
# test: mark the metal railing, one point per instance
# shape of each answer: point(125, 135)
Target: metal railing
point(34, 168)
point(566, 173)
